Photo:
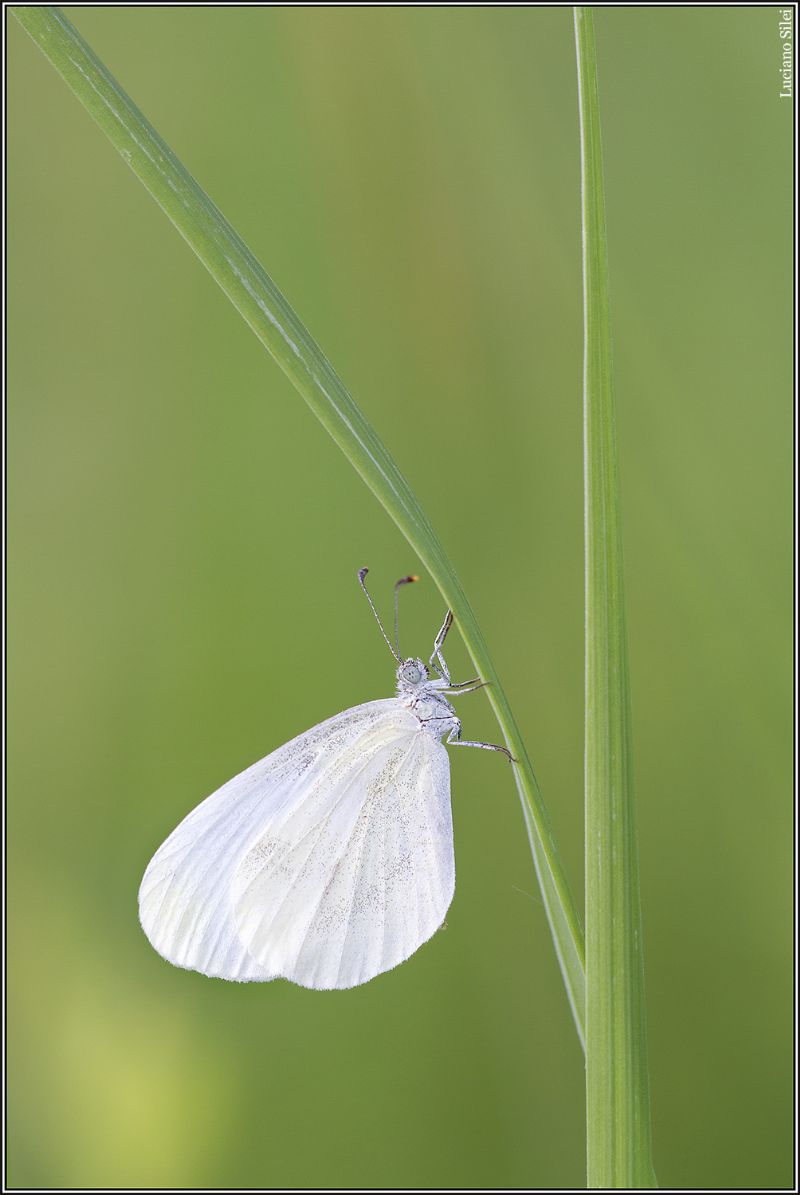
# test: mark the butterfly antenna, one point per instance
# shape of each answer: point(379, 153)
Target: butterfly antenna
point(397, 587)
point(362, 572)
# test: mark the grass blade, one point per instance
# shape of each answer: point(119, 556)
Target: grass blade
point(617, 1085)
point(279, 329)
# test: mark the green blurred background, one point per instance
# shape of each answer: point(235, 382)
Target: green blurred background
point(184, 539)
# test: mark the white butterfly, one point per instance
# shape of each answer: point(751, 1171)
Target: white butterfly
point(331, 860)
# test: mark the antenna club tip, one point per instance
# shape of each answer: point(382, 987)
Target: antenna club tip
point(362, 572)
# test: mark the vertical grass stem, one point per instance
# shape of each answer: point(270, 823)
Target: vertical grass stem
point(617, 1084)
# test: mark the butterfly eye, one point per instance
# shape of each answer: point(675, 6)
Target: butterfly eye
point(411, 674)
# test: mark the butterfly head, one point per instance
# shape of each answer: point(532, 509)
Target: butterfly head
point(411, 675)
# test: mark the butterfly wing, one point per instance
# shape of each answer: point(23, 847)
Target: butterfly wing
point(261, 863)
point(184, 898)
point(356, 876)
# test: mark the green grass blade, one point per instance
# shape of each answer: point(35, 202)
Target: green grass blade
point(259, 301)
point(617, 1085)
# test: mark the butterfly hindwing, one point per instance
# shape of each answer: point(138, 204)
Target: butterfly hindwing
point(361, 875)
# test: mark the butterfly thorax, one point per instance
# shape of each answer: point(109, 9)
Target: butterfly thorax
point(424, 697)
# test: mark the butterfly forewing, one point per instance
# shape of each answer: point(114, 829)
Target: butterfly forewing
point(327, 862)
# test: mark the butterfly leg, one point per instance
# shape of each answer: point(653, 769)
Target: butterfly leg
point(442, 668)
point(467, 686)
point(455, 740)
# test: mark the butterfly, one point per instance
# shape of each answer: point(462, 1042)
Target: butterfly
point(331, 860)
